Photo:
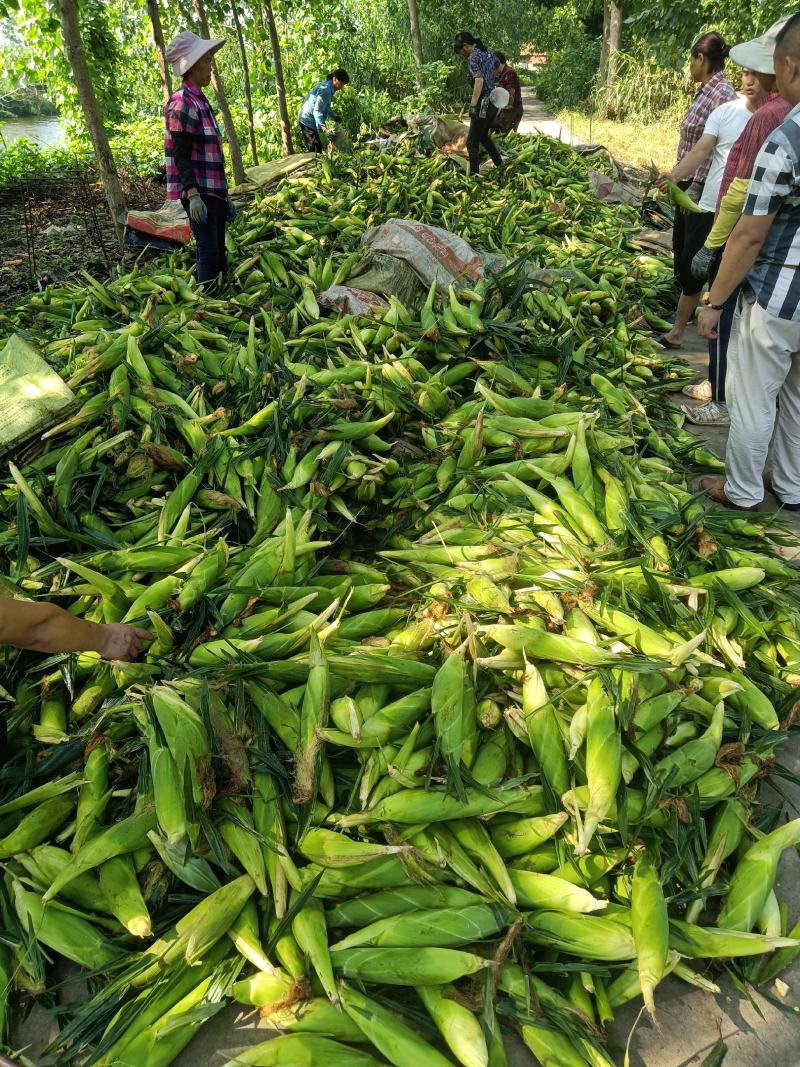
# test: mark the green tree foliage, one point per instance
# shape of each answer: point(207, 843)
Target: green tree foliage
point(667, 29)
point(35, 53)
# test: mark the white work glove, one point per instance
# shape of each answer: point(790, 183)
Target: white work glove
point(197, 209)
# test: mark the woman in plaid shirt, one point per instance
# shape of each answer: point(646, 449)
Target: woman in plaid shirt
point(193, 150)
point(706, 64)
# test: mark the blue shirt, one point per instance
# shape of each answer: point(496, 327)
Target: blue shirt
point(482, 64)
point(318, 106)
point(775, 187)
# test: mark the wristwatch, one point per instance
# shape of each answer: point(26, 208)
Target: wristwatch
point(707, 303)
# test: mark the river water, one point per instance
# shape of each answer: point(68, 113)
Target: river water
point(44, 130)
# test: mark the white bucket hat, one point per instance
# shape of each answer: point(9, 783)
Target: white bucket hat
point(187, 48)
point(758, 54)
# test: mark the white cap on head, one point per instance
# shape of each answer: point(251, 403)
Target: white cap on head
point(758, 54)
point(187, 48)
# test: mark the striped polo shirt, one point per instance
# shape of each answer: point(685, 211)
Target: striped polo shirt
point(775, 187)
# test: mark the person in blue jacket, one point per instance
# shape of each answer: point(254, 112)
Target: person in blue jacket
point(317, 110)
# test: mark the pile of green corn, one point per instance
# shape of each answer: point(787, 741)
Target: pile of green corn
point(458, 699)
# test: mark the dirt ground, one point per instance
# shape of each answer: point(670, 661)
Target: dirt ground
point(51, 229)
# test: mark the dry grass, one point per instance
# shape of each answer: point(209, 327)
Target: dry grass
point(629, 142)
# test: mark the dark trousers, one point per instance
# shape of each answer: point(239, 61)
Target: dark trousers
point(689, 232)
point(209, 239)
point(312, 138)
point(508, 119)
point(718, 346)
point(480, 137)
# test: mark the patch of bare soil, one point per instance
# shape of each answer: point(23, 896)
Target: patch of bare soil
point(53, 228)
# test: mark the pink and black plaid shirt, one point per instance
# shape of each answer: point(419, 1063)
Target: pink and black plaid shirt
point(768, 116)
point(717, 90)
point(188, 111)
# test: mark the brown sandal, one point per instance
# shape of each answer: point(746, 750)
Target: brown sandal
point(715, 487)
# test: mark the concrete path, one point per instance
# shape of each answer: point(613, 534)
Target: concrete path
point(537, 119)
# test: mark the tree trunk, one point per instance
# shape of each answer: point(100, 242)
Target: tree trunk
point(246, 75)
point(612, 33)
point(161, 51)
point(280, 86)
point(70, 30)
point(614, 38)
point(222, 101)
point(416, 36)
point(603, 71)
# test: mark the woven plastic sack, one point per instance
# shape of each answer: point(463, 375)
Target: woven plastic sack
point(388, 275)
point(350, 301)
point(169, 222)
point(613, 192)
point(32, 396)
point(431, 253)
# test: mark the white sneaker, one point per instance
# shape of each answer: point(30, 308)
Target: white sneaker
point(710, 414)
point(698, 390)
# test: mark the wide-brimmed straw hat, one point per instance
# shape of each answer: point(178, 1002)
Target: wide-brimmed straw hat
point(759, 54)
point(187, 48)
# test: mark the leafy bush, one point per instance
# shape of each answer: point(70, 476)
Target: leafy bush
point(138, 147)
point(442, 83)
point(553, 29)
point(642, 91)
point(568, 78)
point(27, 159)
point(365, 109)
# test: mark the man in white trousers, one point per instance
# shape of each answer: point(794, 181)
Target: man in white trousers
point(763, 251)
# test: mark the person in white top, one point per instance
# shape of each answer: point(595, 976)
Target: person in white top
point(721, 131)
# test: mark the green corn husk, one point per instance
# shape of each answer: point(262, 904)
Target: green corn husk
point(302, 1050)
point(374, 906)
point(65, 933)
point(697, 942)
point(549, 892)
point(414, 806)
point(754, 877)
point(310, 930)
point(442, 927)
point(315, 1016)
point(458, 1026)
point(581, 935)
point(330, 849)
point(118, 840)
point(650, 926)
point(198, 931)
point(537, 642)
point(120, 887)
point(393, 1038)
point(407, 966)
point(263, 989)
point(37, 826)
point(518, 837)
